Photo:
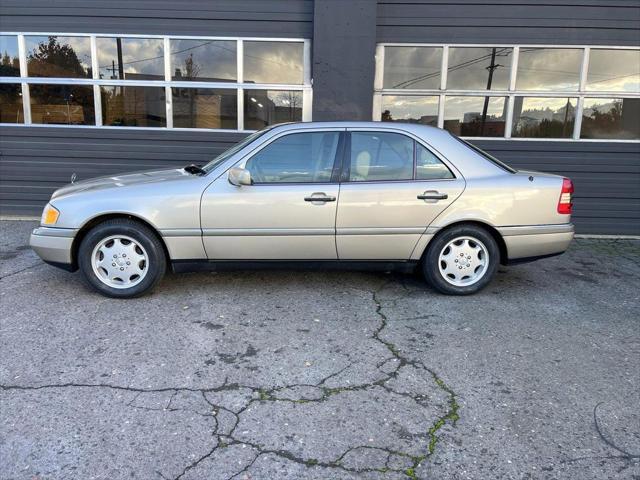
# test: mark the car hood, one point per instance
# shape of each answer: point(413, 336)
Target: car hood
point(119, 181)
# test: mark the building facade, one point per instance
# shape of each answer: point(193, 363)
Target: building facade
point(99, 88)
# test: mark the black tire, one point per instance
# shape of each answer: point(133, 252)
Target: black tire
point(431, 260)
point(155, 264)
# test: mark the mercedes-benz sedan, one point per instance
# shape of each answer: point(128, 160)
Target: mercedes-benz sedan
point(352, 195)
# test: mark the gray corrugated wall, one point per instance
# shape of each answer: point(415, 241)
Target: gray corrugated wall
point(252, 18)
point(595, 22)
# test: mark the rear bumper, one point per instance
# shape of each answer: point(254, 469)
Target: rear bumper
point(54, 245)
point(536, 241)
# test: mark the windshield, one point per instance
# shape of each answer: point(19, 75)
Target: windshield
point(236, 148)
point(491, 158)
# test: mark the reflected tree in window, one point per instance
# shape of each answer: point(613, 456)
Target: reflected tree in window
point(54, 59)
point(611, 118)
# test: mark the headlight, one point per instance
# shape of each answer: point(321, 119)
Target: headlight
point(49, 215)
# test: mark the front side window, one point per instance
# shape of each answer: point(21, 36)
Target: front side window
point(380, 156)
point(296, 158)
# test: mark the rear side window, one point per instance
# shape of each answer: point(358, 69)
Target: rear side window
point(386, 156)
point(377, 156)
point(296, 158)
point(429, 167)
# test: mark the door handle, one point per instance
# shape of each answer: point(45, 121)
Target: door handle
point(433, 195)
point(320, 197)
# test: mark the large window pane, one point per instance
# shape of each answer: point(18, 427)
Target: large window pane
point(543, 117)
point(412, 67)
point(205, 108)
point(133, 106)
point(62, 104)
point(549, 69)
point(479, 68)
point(9, 59)
point(410, 109)
point(204, 60)
point(11, 103)
point(130, 58)
point(296, 158)
point(614, 70)
point(273, 62)
point(611, 118)
point(429, 167)
point(61, 57)
point(267, 107)
point(475, 116)
point(378, 156)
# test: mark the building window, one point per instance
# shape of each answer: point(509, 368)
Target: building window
point(512, 91)
point(152, 81)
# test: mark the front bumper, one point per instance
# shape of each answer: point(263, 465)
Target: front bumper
point(54, 245)
point(536, 241)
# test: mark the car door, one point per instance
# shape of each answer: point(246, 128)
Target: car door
point(392, 188)
point(289, 210)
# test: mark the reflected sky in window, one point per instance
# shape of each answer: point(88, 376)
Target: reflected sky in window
point(469, 68)
point(62, 57)
point(203, 60)
point(142, 58)
point(549, 69)
point(9, 61)
point(273, 62)
point(614, 70)
point(412, 67)
point(414, 109)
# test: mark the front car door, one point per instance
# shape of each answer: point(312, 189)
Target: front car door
point(289, 211)
point(392, 188)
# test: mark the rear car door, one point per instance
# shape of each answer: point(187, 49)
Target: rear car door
point(392, 187)
point(289, 211)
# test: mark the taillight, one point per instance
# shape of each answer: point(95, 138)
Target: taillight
point(564, 203)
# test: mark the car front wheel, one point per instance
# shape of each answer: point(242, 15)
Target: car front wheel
point(461, 260)
point(121, 258)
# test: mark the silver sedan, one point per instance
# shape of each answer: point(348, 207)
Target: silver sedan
point(350, 195)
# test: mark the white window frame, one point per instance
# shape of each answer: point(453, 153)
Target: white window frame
point(239, 85)
point(510, 94)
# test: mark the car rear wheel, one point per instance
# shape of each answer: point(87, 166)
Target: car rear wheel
point(121, 258)
point(461, 260)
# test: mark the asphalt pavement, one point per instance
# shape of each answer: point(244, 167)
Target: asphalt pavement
point(323, 375)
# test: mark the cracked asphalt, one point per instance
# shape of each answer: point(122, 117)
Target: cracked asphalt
point(323, 375)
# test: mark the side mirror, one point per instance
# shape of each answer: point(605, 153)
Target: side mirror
point(239, 176)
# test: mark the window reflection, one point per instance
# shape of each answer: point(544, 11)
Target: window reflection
point(543, 117)
point(475, 116)
point(130, 58)
point(412, 67)
point(614, 70)
point(11, 103)
point(9, 59)
point(62, 104)
point(203, 60)
point(549, 69)
point(273, 62)
point(133, 106)
point(410, 109)
point(611, 118)
point(479, 68)
point(267, 107)
point(204, 108)
point(61, 57)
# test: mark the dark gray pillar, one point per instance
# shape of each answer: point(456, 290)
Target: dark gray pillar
point(344, 44)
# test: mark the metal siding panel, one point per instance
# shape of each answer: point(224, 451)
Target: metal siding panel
point(474, 21)
point(274, 18)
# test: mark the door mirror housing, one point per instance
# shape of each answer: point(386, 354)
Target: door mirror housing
point(239, 176)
